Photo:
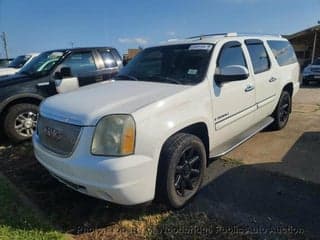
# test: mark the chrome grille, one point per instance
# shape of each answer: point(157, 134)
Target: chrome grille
point(58, 137)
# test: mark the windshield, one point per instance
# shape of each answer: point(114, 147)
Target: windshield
point(19, 61)
point(177, 64)
point(43, 63)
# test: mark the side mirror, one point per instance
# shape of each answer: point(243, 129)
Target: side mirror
point(231, 73)
point(65, 72)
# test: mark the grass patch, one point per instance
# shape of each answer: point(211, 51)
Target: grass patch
point(18, 221)
point(232, 161)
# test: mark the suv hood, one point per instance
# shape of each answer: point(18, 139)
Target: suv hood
point(87, 105)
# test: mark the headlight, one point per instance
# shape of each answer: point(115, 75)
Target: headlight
point(114, 136)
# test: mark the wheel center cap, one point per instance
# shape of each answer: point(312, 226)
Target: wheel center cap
point(28, 123)
point(186, 170)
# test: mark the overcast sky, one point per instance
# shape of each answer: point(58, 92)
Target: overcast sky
point(38, 25)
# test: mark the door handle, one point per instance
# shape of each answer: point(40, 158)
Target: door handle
point(273, 79)
point(249, 88)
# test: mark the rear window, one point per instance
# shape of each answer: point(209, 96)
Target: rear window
point(283, 52)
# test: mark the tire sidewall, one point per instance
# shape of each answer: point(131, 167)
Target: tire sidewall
point(174, 199)
point(283, 95)
point(10, 117)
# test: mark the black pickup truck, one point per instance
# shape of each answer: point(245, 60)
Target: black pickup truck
point(52, 72)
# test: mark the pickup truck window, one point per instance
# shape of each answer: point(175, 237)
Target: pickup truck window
point(231, 55)
point(283, 52)
point(108, 58)
point(178, 64)
point(259, 57)
point(42, 64)
point(80, 63)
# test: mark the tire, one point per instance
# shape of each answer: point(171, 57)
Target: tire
point(20, 121)
point(282, 111)
point(181, 169)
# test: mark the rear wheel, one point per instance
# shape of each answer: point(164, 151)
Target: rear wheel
point(282, 112)
point(181, 169)
point(20, 121)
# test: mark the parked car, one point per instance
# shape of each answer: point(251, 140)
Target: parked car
point(4, 62)
point(311, 72)
point(51, 72)
point(17, 64)
point(151, 132)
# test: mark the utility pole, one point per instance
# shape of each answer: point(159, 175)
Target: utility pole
point(5, 45)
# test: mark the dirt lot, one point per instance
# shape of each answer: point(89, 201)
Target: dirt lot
point(266, 188)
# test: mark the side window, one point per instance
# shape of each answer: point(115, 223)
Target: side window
point(283, 52)
point(259, 56)
point(108, 58)
point(80, 63)
point(231, 54)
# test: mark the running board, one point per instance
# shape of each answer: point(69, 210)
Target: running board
point(238, 140)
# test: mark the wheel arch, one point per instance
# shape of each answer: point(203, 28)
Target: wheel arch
point(22, 98)
point(199, 129)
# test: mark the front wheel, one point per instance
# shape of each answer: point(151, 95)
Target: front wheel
point(181, 169)
point(20, 121)
point(282, 112)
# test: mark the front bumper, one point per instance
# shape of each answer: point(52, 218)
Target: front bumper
point(123, 180)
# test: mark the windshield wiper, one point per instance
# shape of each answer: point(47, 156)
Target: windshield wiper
point(121, 76)
point(166, 79)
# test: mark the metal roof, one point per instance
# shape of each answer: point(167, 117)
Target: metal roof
point(303, 32)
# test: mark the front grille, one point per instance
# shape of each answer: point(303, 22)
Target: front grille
point(58, 137)
point(315, 69)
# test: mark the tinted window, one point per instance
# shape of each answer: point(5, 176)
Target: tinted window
point(283, 52)
point(259, 57)
point(19, 61)
point(231, 55)
point(80, 63)
point(108, 59)
point(177, 64)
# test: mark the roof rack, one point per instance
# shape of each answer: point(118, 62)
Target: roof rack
point(259, 34)
point(232, 34)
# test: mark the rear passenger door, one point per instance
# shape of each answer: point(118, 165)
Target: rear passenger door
point(265, 78)
point(111, 64)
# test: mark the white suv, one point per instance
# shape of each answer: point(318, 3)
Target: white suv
point(150, 132)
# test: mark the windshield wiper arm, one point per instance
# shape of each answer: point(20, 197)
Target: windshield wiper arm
point(121, 76)
point(167, 79)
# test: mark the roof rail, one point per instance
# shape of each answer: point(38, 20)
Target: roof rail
point(208, 35)
point(232, 34)
point(259, 34)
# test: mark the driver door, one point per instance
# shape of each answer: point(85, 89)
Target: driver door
point(233, 102)
point(83, 71)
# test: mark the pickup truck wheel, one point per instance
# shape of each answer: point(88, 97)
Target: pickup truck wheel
point(20, 121)
point(181, 169)
point(282, 112)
